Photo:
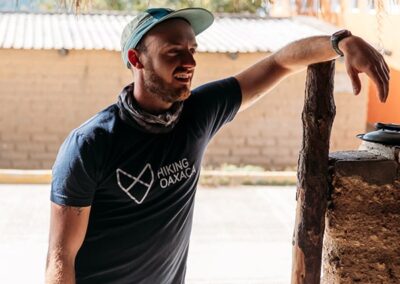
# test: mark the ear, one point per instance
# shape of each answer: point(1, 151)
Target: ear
point(133, 58)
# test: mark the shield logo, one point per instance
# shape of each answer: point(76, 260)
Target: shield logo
point(137, 187)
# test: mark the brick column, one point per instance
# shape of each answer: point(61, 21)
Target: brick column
point(362, 234)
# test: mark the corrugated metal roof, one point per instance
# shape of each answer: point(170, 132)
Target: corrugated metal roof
point(102, 31)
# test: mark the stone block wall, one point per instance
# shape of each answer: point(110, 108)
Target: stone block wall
point(44, 95)
point(362, 234)
point(269, 133)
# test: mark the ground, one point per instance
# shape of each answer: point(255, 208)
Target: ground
point(240, 234)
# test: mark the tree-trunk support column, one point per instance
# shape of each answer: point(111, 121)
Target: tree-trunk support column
point(318, 114)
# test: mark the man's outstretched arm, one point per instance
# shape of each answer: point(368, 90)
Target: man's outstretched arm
point(359, 56)
point(67, 230)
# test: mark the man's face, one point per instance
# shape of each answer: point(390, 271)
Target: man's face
point(168, 60)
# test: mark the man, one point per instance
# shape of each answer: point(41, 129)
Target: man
point(124, 182)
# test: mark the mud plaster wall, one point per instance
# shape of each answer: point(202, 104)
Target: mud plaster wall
point(362, 234)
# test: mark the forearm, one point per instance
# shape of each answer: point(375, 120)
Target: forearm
point(67, 230)
point(299, 54)
point(359, 57)
point(59, 269)
point(264, 75)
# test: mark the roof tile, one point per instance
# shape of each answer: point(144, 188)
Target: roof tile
point(102, 31)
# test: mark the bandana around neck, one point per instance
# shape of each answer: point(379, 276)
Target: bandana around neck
point(134, 115)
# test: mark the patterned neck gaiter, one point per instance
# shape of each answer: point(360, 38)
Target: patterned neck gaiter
point(134, 115)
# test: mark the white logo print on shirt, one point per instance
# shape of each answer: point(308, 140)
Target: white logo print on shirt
point(137, 188)
point(144, 179)
point(175, 172)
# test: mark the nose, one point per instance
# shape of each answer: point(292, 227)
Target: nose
point(188, 60)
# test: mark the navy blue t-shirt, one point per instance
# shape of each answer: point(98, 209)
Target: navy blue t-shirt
point(140, 187)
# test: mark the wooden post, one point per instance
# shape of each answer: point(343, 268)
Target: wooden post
point(318, 114)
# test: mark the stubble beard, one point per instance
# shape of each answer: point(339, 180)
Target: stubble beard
point(157, 86)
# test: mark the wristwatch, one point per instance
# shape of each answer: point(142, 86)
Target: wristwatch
point(337, 37)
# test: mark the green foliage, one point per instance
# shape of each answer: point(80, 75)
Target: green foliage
point(221, 6)
point(226, 6)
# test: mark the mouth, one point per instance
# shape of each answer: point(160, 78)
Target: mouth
point(183, 77)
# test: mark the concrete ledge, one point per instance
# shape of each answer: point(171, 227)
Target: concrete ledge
point(25, 176)
point(207, 177)
point(248, 178)
point(370, 166)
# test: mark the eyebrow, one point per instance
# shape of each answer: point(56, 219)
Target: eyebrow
point(195, 45)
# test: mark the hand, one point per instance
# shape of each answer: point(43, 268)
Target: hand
point(362, 57)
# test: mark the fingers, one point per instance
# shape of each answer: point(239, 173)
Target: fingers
point(382, 74)
point(362, 57)
point(384, 81)
point(386, 67)
point(381, 83)
point(355, 79)
point(383, 70)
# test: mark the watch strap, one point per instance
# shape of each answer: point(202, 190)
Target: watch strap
point(336, 38)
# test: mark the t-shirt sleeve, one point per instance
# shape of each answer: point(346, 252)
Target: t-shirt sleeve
point(217, 102)
point(73, 175)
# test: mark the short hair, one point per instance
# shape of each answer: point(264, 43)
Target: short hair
point(141, 46)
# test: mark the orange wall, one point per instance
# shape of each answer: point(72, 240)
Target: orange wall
point(390, 111)
point(364, 23)
point(373, 27)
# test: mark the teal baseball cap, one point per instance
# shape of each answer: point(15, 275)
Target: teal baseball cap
point(199, 19)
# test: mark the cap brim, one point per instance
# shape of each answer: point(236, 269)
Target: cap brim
point(200, 19)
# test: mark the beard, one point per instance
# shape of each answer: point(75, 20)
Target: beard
point(159, 88)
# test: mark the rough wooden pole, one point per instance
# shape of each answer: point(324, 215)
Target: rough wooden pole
point(318, 114)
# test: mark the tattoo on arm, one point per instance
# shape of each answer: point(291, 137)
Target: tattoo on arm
point(77, 210)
